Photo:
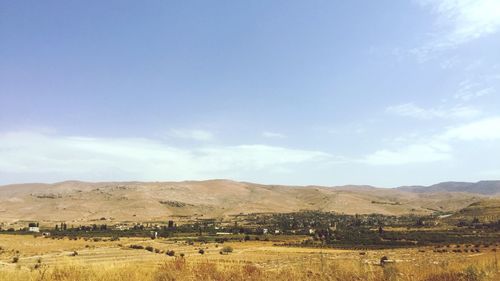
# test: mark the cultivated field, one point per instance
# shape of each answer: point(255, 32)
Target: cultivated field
point(24, 257)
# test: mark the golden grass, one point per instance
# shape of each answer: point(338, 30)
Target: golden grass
point(183, 269)
point(47, 259)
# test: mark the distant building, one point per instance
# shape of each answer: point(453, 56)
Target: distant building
point(34, 229)
point(333, 227)
point(122, 227)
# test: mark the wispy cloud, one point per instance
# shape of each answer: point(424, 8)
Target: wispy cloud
point(437, 147)
point(459, 22)
point(469, 95)
point(412, 110)
point(275, 135)
point(484, 129)
point(415, 153)
point(36, 156)
point(197, 135)
point(469, 90)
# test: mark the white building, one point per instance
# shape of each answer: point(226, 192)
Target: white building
point(34, 229)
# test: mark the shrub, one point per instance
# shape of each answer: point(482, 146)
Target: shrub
point(170, 253)
point(149, 248)
point(227, 249)
point(473, 274)
point(15, 259)
point(201, 251)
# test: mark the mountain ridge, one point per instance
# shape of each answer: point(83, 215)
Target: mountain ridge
point(485, 187)
point(79, 201)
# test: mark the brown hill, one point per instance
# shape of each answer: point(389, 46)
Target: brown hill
point(487, 210)
point(149, 201)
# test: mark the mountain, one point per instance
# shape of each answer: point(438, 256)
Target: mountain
point(481, 187)
point(78, 202)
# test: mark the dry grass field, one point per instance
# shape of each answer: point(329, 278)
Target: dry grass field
point(25, 257)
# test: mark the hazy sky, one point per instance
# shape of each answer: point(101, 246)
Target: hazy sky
point(385, 93)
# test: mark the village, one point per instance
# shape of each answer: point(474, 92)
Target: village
point(319, 229)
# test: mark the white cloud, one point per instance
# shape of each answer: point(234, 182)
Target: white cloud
point(484, 129)
point(40, 157)
point(459, 22)
point(412, 110)
point(197, 135)
point(438, 147)
point(415, 153)
point(273, 135)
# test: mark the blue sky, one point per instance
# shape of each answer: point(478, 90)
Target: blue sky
point(385, 93)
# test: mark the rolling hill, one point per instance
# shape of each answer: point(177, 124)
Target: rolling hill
point(481, 187)
point(149, 201)
point(487, 210)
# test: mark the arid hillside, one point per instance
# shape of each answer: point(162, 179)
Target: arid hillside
point(149, 201)
point(487, 210)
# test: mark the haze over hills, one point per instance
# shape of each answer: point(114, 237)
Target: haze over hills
point(148, 201)
point(481, 187)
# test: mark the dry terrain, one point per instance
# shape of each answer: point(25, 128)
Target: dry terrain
point(64, 259)
point(487, 210)
point(80, 202)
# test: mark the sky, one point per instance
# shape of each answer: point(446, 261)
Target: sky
point(385, 93)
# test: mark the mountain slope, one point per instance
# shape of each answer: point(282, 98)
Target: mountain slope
point(487, 210)
point(148, 201)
